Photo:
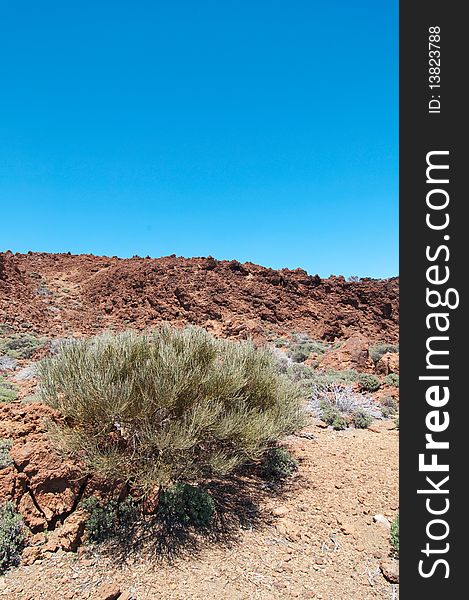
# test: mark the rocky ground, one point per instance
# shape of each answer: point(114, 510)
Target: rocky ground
point(322, 535)
point(317, 539)
point(61, 294)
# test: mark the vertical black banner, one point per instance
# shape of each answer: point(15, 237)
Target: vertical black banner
point(433, 272)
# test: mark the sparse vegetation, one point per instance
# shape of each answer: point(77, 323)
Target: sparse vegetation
point(309, 378)
point(376, 351)
point(392, 379)
point(336, 404)
point(20, 345)
point(389, 407)
point(339, 423)
point(302, 346)
point(173, 406)
point(369, 383)
point(361, 418)
point(12, 537)
point(186, 504)
point(395, 534)
point(279, 463)
point(5, 458)
point(110, 519)
point(8, 391)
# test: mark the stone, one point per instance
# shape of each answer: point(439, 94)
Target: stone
point(31, 554)
point(279, 511)
point(382, 520)
point(353, 354)
point(32, 517)
point(108, 591)
point(54, 483)
point(388, 363)
point(390, 570)
point(69, 535)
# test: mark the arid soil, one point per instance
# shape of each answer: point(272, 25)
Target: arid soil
point(61, 294)
point(315, 537)
point(314, 540)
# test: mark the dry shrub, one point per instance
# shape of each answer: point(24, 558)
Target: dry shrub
point(174, 405)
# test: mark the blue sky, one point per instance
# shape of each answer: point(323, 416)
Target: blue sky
point(252, 130)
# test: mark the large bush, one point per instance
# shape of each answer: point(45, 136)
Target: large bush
point(169, 406)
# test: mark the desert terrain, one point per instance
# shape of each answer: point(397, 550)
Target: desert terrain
point(323, 533)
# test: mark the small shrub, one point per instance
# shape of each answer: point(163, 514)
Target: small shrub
point(5, 458)
point(301, 347)
point(12, 537)
point(369, 383)
point(20, 345)
point(328, 412)
point(376, 351)
point(281, 343)
point(392, 379)
point(307, 376)
point(361, 419)
point(389, 407)
point(300, 353)
point(110, 520)
point(279, 463)
point(8, 392)
point(338, 404)
point(172, 406)
point(395, 534)
point(339, 423)
point(186, 504)
point(396, 422)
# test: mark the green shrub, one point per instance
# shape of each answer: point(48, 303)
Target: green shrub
point(8, 391)
point(361, 419)
point(186, 504)
point(395, 533)
point(300, 353)
point(339, 423)
point(12, 537)
point(172, 406)
point(392, 379)
point(308, 377)
point(369, 383)
point(396, 422)
point(20, 345)
point(389, 407)
point(5, 458)
point(109, 520)
point(279, 463)
point(376, 351)
point(328, 412)
point(301, 347)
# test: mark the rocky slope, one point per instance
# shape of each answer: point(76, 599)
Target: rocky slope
point(58, 294)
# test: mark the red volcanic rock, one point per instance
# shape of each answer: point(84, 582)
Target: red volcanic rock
point(388, 363)
point(353, 354)
point(54, 483)
point(58, 294)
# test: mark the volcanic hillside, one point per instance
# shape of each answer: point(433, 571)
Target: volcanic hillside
point(59, 294)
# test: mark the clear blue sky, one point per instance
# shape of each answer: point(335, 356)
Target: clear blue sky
point(260, 130)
